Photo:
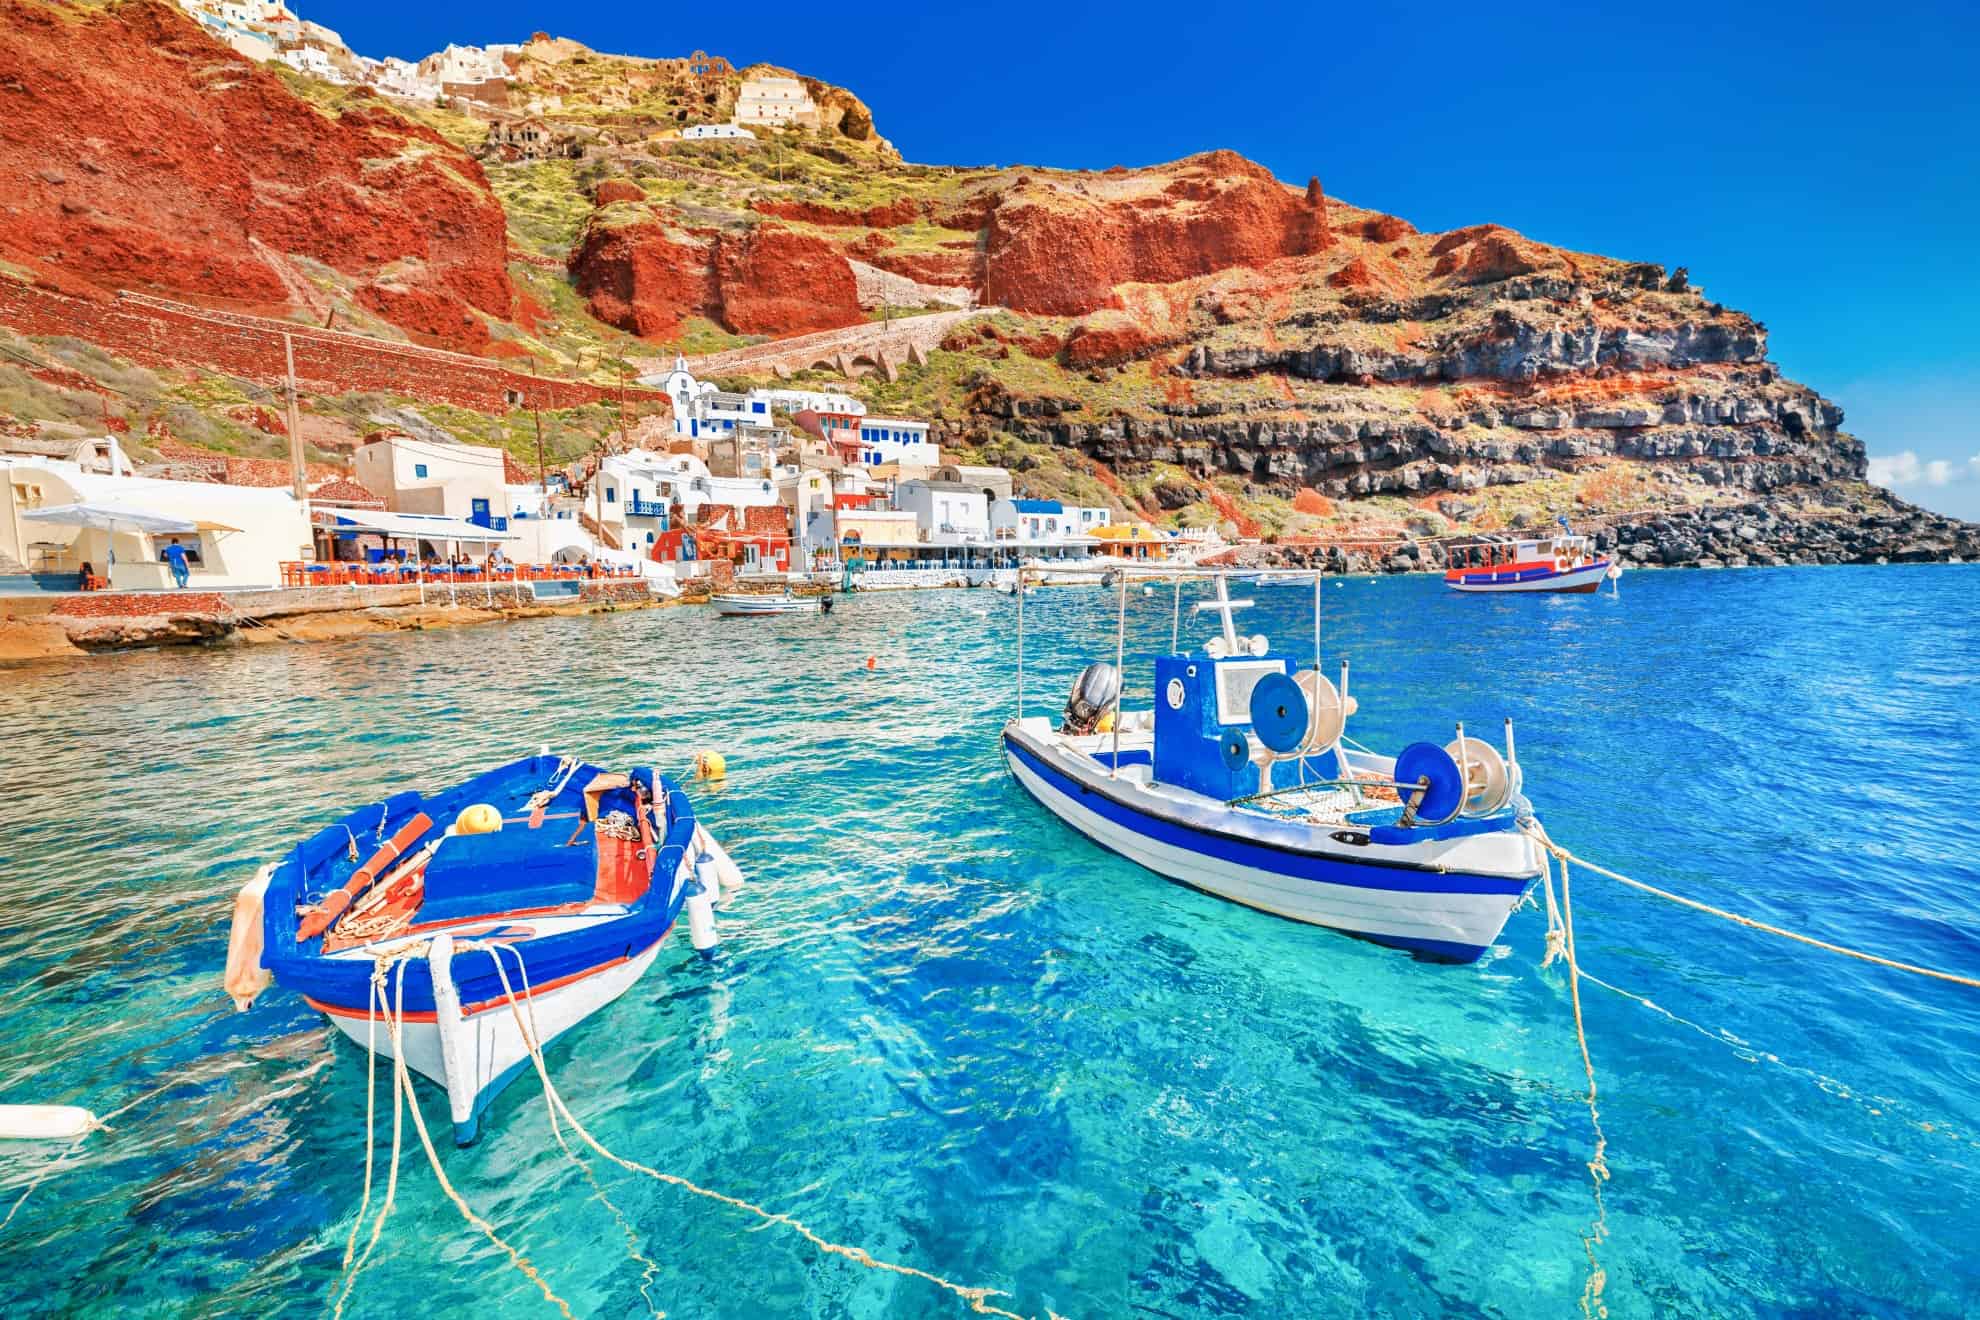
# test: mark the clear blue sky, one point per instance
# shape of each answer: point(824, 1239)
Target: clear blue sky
point(1817, 166)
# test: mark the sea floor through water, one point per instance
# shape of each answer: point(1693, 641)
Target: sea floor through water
point(948, 1030)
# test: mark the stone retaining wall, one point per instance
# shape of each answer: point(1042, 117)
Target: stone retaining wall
point(155, 332)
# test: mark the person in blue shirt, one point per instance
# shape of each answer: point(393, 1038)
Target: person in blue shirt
point(175, 559)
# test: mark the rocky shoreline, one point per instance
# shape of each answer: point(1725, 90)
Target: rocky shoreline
point(1722, 536)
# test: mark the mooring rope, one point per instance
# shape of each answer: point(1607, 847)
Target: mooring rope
point(1752, 923)
point(1598, 1164)
point(1560, 942)
point(532, 1034)
point(374, 1010)
point(407, 1101)
point(977, 1297)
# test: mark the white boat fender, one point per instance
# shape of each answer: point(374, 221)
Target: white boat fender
point(701, 917)
point(46, 1122)
point(245, 977)
point(726, 871)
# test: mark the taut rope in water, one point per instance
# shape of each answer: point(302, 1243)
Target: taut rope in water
point(405, 1101)
point(1752, 923)
point(977, 1297)
point(1560, 942)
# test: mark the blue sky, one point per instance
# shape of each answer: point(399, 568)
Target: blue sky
point(1816, 166)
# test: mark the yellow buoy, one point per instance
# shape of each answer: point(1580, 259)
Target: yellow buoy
point(480, 818)
point(709, 764)
point(1106, 724)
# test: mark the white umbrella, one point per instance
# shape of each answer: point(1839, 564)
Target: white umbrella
point(109, 517)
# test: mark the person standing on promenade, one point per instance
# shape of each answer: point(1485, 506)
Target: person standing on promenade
point(175, 559)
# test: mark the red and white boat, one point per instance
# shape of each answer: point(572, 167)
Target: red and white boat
point(1565, 561)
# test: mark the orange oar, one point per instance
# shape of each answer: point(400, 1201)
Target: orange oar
point(319, 918)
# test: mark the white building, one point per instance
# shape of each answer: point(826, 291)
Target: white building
point(702, 411)
point(703, 132)
point(1087, 517)
point(233, 536)
point(949, 513)
point(642, 493)
point(401, 78)
point(313, 61)
point(1039, 528)
point(897, 440)
point(773, 101)
point(467, 64)
point(427, 476)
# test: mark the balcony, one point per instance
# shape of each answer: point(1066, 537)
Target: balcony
point(490, 521)
point(639, 508)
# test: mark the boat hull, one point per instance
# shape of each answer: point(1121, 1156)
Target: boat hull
point(754, 606)
point(475, 1050)
point(1530, 579)
point(1445, 914)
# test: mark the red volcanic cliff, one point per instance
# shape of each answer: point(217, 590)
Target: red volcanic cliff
point(139, 153)
point(770, 281)
point(1059, 244)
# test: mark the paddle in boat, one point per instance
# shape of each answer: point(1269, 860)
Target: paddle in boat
point(745, 605)
point(565, 874)
point(1566, 562)
point(1242, 782)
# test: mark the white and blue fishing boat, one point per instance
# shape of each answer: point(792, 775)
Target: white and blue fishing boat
point(1566, 562)
point(557, 875)
point(1242, 782)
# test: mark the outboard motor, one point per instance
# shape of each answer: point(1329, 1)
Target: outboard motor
point(1093, 691)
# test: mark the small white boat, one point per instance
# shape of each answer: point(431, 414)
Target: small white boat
point(747, 606)
point(1242, 782)
point(1566, 562)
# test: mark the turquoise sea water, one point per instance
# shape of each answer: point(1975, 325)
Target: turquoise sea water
point(946, 1029)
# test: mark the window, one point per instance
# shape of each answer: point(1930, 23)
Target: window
point(419, 469)
point(611, 494)
point(756, 406)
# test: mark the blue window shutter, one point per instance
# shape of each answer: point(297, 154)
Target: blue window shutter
point(419, 469)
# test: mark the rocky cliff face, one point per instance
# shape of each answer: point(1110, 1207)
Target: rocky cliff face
point(138, 153)
point(647, 278)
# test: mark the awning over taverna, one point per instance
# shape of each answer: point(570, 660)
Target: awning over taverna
point(117, 517)
point(426, 526)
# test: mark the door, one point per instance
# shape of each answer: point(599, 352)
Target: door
point(479, 513)
point(752, 559)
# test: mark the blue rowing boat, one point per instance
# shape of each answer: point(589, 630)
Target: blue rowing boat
point(513, 905)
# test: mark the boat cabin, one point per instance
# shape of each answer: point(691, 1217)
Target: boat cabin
point(1563, 550)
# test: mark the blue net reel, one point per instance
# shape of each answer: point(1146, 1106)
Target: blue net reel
point(1279, 713)
point(1445, 792)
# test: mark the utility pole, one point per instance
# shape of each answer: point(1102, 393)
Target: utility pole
point(296, 472)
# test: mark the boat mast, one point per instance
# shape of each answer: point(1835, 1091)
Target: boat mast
point(1020, 658)
point(1120, 674)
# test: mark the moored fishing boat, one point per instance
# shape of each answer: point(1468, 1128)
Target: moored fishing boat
point(741, 605)
point(1242, 782)
point(1566, 562)
point(537, 892)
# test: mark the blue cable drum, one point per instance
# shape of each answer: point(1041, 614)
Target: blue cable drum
point(1234, 749)
point(1279, 713)
point(1446, 790)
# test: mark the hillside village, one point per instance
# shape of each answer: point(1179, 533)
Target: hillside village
point(690, 478)
point(671, 318)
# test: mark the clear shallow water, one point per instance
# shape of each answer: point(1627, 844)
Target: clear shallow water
point(947, 1029)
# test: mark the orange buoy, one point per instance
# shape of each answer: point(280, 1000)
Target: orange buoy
point(869, 662)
